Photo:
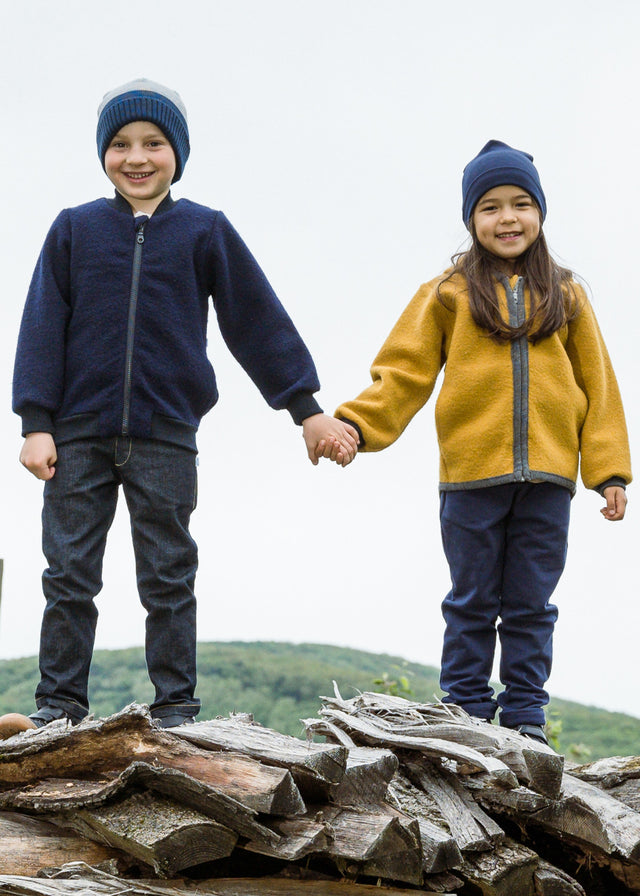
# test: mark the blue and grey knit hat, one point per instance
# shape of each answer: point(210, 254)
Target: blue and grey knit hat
point(143, 100)
point(495, 165)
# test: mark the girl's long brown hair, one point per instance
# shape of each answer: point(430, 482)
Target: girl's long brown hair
point(553, 299)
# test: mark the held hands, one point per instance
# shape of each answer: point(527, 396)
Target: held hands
point(616, 498)
point(39, 455)
point(329, 437)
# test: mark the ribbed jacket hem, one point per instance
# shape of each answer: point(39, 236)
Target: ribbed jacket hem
point(531, 476)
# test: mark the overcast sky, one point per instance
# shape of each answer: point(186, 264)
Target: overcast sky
point(333, 135)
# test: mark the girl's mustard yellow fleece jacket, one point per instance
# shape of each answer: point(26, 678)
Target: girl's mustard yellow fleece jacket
point(513, 412)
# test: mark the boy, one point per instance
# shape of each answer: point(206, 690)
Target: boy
point(112, 379)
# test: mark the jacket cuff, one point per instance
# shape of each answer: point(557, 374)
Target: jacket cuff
point(362, 442)
point(303, 405)
point(36, 419)
point(615, 480)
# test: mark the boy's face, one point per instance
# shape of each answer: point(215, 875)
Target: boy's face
point(141, 164)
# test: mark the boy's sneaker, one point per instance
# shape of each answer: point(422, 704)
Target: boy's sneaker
point(533, 732)
point(174, 721)
point(47, 714)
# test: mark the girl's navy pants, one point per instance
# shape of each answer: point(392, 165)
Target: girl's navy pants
point(506, 547)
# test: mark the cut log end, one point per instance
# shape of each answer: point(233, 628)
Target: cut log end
point(14, 723)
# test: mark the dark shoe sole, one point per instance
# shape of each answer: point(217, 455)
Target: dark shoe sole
point(174, 721)
point(533, 732)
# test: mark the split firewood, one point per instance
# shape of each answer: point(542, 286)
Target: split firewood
point(375, 842)
point(405, 793)
point(603, 829)
point(30, 845)
point(159, 832)
point(440, 851)
point(316, 834)
point(380, 842)
point(380, 718)
point(504, 871)
point(444, 883)
point(283, 887)
point(618, 776)
point(366, 778)
point(368, 769)
point(468, 761)
point(322, 763)
point(80, 879)
point(551, 881)
point(587, 816)
point(55, 797)
point(627, 873)
point(298, 837)
point(97, 748)
point(472, 829)
point(628, 793)
point(606, 773)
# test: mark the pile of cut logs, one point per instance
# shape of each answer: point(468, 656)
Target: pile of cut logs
point(384, 796)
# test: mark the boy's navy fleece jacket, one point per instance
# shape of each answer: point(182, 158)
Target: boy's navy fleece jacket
point(113, 336)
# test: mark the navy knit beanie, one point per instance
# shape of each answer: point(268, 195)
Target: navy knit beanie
point(143, 100)
point(496, 165)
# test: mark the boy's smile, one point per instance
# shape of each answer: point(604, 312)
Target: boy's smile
point(506, 221)
point(141, 164)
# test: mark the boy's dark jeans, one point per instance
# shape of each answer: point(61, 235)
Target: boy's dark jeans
point(159, 484)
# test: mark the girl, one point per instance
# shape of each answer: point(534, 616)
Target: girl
point(528, 389)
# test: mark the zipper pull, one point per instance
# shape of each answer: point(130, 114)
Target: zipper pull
point(140, 235)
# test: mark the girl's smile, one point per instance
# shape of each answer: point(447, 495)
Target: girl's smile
point(506, 221)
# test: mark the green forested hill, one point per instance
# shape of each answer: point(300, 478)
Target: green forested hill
point(281, 684)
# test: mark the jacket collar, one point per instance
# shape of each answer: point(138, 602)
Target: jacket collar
point(120, 204)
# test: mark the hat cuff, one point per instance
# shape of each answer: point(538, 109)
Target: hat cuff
point(497, 177)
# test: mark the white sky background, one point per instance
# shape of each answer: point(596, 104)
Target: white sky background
point(334, 135)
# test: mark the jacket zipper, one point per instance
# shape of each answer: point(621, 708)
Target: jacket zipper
point(131, 326)
point(520, 363)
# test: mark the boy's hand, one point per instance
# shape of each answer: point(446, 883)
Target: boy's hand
point(39, 455)
point(327, 436)
point(616, 498)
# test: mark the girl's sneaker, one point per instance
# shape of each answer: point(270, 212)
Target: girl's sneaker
point(534, 732)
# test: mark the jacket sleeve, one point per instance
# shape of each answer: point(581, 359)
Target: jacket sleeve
point(38, 380)
point(257, 329)
point(404, 373)
point(604, 443)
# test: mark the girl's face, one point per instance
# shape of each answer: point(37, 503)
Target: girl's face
point(506, 221)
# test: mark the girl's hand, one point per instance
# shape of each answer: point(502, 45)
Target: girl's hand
point(39, 455)
point(616, 498)
point(329, 437)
